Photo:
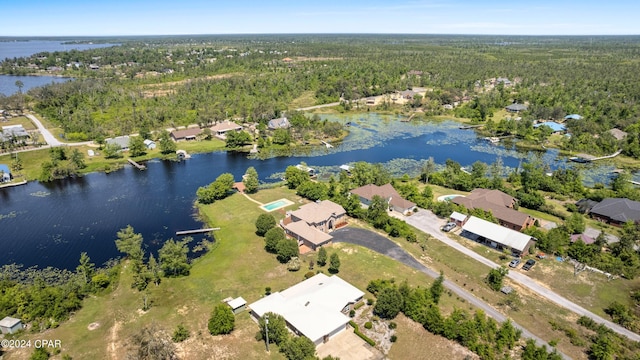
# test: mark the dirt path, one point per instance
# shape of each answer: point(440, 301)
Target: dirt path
point(112, 347)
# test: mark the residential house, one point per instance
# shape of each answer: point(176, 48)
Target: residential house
point(501, 205)
point(13, 133)
point(516, 108)
point(186, 134)
point(554, 126)
point(280, 123)
point(220, 129)
point(10, 325)
point(618, 134)
point(311, 224)
point(496, 236)
point(121, 141)
point(316, 308)
point(505, 81)
point(585, 238)
point(616, 211)
point(408, 94)
point(5, 173)
point(388, 193)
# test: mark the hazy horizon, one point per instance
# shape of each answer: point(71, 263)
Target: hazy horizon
point(58, 18)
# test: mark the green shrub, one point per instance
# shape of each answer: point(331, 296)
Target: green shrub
point(352, 313)
point(369, 301)
point(368, 325)
point(309, 274)
point(364, 337)
point(393, 338)
point(180, 334)
point(392, 325)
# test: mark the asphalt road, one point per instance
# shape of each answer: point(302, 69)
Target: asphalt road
point(384, 246)
point(428, 222)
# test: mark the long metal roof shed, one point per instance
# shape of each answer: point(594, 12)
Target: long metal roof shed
point(499, 234)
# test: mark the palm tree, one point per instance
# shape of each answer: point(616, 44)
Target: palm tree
point(20, 85)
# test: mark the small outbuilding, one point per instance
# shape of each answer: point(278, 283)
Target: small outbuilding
point(5, 173)
point(10, 325)
point(237, 305)
point(150, 144)
point(458, 218)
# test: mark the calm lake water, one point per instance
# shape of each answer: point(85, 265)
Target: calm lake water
point(50, 224)
point(14, 49)
point(8, 82)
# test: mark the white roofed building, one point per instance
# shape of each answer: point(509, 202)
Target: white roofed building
point(315, 308)
point(496, 236)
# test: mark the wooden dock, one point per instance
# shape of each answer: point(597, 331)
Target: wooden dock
point(195, 231)
point(584, 158)
point(139, 166)
point(466, 127)
point(409, 118)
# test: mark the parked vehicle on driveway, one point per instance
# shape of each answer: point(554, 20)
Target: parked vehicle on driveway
point(514, 263)
point(529, 264)
point(449, 226)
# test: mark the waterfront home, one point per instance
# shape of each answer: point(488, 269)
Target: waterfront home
point(388, 193)
point(616, 211)
point(185, 134)
point(316, 308)
point(121, 141)
point(554, 126)
point(281, 123)
point(5, 173)
point(220, 129)
point(501, 205)
point(311, 224)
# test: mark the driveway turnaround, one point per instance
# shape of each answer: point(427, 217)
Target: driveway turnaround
point(429, 223)
point(384, 246)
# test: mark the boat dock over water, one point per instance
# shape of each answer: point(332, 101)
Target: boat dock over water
point(195, 231)
point(139, 166)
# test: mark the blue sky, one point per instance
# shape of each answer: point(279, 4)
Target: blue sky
point(157, 17)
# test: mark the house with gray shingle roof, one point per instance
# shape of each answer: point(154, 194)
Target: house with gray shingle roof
point(516, 107)
point(616, 211)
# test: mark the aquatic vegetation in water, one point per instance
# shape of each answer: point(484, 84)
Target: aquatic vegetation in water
point(11, 215)
point(40, 194)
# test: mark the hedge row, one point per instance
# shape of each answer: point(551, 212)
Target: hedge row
point(364, 337)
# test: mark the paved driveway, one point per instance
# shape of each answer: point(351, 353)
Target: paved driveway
point(348, 346)
point(429, 223)
point(382, 245)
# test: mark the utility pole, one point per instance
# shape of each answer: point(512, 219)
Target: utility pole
point(266, 329)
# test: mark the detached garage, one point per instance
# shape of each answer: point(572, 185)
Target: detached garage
point(496, 236)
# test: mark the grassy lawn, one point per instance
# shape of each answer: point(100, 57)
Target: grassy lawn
point(237, 265)
point(306, 99)
point(19, 120)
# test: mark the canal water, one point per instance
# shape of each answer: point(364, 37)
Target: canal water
point(51, 224)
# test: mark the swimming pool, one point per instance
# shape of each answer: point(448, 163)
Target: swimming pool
point(274, 205)
point(447, 197)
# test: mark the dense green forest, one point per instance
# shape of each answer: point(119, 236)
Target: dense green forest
point(141, 84)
